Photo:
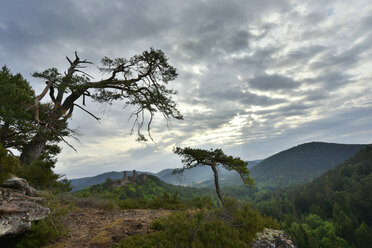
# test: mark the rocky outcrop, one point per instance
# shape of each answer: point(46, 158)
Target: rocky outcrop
point(270, 238)
point(20, 204)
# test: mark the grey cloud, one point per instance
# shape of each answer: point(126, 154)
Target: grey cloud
point(282, 112)
point(247, 98)
point(296, 108)
point(272, 82)
point(316, 42)
point(300, 57)
point(257, 63)
point(315, 95)
point(142, 153)
point(207, 120)
point(216, 44)
point(219, 27)
point(330, 80)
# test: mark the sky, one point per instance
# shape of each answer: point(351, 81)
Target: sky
point(255, 77)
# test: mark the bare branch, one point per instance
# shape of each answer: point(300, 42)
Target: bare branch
point(68, 115)
point(10, 152)
point(36, 105)
point(51, 94)
point(71, 146)
point(148, 127)
point(95, 117)
point(69, 60)
point(86, 74)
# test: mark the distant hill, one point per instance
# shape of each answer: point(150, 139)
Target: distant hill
point(190, 177)
point(147, 188)
point(301, 163)
point(196, 176)
point(297, 165)
point(85, 182)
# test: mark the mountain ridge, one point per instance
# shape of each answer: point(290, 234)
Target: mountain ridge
point(295, 165)
point(302, 163)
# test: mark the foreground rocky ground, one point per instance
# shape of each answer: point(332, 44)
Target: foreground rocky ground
point(91, 227)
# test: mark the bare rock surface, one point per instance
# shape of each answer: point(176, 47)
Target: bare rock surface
point(20, 204)
point(270, 238)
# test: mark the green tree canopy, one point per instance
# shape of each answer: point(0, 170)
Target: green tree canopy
point(17, 129)
point(193, 157)
point(16, 123)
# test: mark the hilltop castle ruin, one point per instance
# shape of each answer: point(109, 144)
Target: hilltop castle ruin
point(132, 179)
point(135, 178)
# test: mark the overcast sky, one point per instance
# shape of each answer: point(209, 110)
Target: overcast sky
point(255, 77)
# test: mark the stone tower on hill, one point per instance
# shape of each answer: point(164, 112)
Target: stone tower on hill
point(131, 179)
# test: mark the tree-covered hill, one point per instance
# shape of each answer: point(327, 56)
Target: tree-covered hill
point(297, 165)
point(301, 163)
point(85, 182)
point(334, 208)
point(143, 189)
point(193, 177)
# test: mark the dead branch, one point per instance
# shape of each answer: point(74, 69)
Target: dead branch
point(71, 146)
point(36, 105)
point(61, 137)
point(84, 73)
point(95, 117)
point(51, 94)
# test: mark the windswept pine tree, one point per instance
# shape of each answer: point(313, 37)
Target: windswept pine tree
point(193, 157)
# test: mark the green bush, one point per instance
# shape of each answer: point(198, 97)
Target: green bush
point(9, 165)
point(40, 175)
point(232, 226)
point(44, 231)
point(165, 201)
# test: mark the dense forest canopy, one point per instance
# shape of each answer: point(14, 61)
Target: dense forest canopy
point(334, 208)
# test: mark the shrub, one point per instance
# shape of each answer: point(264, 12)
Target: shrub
point(232, 226)
point(40, 175)
point(46, 230)
point(9, 165)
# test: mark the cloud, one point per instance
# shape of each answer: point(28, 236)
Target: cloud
point(272, 82)
point(254, 77)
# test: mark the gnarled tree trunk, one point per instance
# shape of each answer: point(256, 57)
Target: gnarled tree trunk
point(32, 150)
point(218, 191)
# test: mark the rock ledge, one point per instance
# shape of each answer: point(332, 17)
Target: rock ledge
point(20, 204)
point(270, 238)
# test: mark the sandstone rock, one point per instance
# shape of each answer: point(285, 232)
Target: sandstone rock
point(20, 185)
point(270, 238)
point(19, 206)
